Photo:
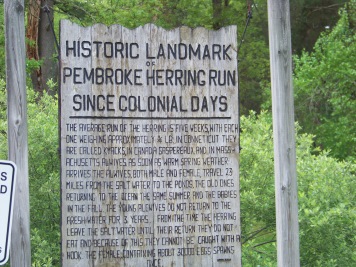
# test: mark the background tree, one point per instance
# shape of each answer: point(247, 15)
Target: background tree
point(327, 217)
point(309, 18)
point(325, 88)
point(41, 50)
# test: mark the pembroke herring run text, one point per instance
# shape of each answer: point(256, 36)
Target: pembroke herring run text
point(140, 76)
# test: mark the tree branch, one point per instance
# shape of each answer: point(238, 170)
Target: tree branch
point(255, 233)
point(325, 7)
point(264, 243)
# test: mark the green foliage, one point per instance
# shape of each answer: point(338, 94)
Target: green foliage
point(327, 215)
point(44, 179)
point(133, 13)
point(42, 255)
point(184, 12)
point(43, 174)
point(3, 121)
point(257, 191)
point(325, 89)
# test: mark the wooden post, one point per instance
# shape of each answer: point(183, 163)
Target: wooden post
point(283, 129)
point(20, 254)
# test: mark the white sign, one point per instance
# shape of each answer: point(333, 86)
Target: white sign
point(7, 192)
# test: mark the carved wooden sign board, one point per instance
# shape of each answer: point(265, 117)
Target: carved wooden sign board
point(149, 146)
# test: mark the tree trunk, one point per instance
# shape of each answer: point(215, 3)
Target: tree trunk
point(41, 45)
point(33, 17)
point(46, 47)
point(217, 10)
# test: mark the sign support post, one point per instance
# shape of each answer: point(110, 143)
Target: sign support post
point(17, 128)
point(283, 133)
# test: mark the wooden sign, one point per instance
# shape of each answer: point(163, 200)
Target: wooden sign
point(149, 146)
